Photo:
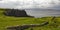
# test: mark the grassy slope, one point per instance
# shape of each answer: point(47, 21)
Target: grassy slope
point(6, 21)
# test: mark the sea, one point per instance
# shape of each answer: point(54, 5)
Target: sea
point(43, 12)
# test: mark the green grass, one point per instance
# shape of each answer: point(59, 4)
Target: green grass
point(6, 21)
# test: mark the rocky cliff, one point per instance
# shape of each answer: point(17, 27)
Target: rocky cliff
point(16, 13)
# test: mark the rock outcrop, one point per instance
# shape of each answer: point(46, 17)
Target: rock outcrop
point(16, 13)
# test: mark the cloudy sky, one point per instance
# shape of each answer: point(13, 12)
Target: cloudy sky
point(53, 4)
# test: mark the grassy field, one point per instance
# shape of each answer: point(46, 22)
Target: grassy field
point(6, 21)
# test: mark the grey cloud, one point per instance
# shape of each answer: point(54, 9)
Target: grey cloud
point(33, 5)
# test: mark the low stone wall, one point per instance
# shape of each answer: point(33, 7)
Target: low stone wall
point(23, 27)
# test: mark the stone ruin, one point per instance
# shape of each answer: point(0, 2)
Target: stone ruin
point(16, 13)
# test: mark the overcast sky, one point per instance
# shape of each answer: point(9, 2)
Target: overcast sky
point(53, 4)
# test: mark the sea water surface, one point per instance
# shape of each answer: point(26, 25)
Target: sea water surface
point(43, 12)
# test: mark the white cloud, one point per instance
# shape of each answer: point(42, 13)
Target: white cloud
point(30, 3)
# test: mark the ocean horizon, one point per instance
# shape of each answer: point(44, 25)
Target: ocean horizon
point(43, 12)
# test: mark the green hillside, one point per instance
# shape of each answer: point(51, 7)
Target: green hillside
point(6, 21)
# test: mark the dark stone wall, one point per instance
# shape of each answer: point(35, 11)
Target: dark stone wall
point(23, 27)
point(16, 13)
